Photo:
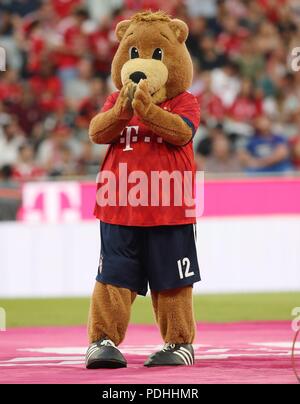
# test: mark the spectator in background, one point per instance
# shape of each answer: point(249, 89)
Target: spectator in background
point(73, 44)
point(222, 159)
point(6, 174)
point(4, 116)
point(8, 26)
point(208, 55)
point(10, 86)
point(205, 8)
point(27, 110)
point(65, 165)
point(35, 41)
point(295, 152)
point(290, 96)
point(197, 28)
point(88, 162)
point(89, 107)
point(21, 7)
point(11, 138)
point(232, 36)
point(54, 152)
point(46, 87)
point(268, 38)
point(103, 45)
point(246, 107)
point(204, 147)
point(26, 168)
point(64, 8)
point(265, 151)
point(10, 195)
point(250, 60)
point(103, 8)
point(79, 88)
point(212, 108)
point(225, 83)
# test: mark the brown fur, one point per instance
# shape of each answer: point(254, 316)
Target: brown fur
point(148, 31)
point(169, 126)
point(110, 305)
point(109, 312)
point(147, 36)
point(174, 315)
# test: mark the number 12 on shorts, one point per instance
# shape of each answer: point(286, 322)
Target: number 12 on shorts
point(184, 267)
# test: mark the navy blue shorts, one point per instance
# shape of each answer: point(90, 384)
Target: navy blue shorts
point(164, 257)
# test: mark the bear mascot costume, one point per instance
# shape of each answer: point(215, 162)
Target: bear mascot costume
point(149, 124)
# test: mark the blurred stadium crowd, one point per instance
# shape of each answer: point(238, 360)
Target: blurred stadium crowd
point(59, 54)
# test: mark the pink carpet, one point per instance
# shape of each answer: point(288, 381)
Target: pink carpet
point(225, 353)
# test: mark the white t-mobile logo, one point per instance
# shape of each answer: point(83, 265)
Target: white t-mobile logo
point(184, 267)
point(130, 133)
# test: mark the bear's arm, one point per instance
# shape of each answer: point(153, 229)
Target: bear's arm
point(171, 127)
point(106, 126)
point(176, 127)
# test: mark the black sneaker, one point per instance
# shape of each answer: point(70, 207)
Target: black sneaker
point(104, 354)
point(172, 355)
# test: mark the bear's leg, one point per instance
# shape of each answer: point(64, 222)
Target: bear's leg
point(109, 313)
point(175, 315)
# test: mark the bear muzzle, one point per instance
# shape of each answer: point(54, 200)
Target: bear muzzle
point(154, 71)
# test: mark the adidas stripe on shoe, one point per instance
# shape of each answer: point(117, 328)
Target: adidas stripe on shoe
point(172, 355)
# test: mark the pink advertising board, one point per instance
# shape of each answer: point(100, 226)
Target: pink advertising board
point(56, 202)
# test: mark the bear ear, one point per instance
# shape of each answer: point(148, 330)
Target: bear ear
point(121, 28)
point(180, 29)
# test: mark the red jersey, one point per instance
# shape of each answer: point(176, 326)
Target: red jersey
point(132, 168)
point(103, 48)
point(47, 90)
point(35, 52)
point(231, 43)
point(10, 91)
point(244, 109)
point(63, 8)
point(73, 39)
point(212, 105)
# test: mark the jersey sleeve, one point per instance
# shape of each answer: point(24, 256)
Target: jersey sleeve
point(110, 102)
point(187, 106)
point(280, 140)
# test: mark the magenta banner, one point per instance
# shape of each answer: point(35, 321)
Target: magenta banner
point(266, 196)
point(56, 202)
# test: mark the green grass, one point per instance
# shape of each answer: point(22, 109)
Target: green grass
point(210, 308)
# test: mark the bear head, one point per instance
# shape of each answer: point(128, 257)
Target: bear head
point(152, 47)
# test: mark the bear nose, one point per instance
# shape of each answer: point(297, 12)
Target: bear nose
point(137, 76)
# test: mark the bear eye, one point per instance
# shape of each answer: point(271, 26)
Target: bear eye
point(157, 54)
point(133, 53)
